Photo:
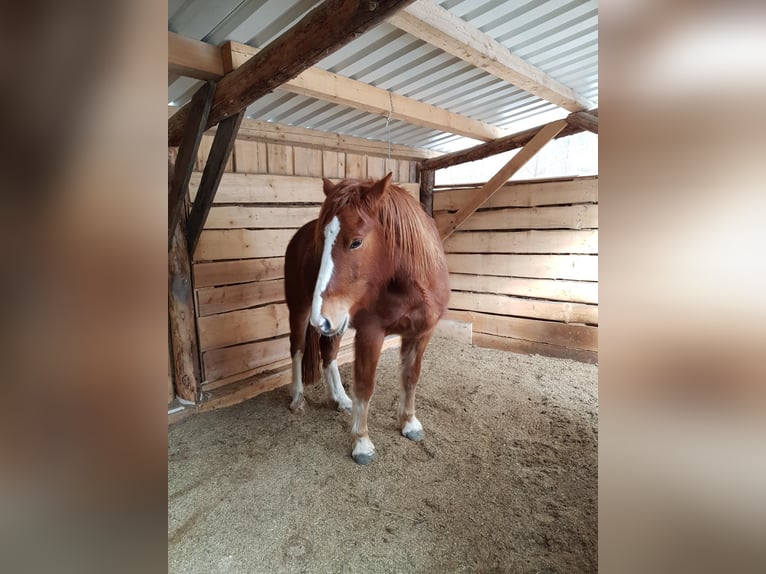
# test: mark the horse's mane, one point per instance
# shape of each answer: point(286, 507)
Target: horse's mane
point(410, 235)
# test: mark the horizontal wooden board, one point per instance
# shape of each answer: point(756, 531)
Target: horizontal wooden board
point(526, 194)
point(216, 245)
point(534, 308)
point(557, 290)
point(534, 348)
point(262, 131)
point(345, 354)
point(264, 188)
point(228, 361)
point(578, 267)
point(260, 217)
point(562, 334)
point(242, 326)
point(212, 300)
point(568, 217)
point(230, 272)
point(569, 241)
point(269, 188)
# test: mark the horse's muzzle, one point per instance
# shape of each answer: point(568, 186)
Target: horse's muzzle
point(325, 328)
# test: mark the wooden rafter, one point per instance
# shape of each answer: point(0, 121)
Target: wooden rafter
point(501, 145)
point(188, 57)
point(326, 86)
point(480, 197)
point(329, 87)
point(323, 30)
point(431, 23)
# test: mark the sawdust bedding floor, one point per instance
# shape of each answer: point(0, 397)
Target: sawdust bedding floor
point(505, 480)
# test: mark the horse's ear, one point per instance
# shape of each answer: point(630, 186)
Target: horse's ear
point(327, 186)
point(376, 191)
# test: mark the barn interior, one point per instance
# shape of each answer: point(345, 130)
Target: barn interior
point(486, 111)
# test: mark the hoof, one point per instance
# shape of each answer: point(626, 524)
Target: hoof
point(363, 458)
point(297, 405)
point(416, 435)
point(333, 404)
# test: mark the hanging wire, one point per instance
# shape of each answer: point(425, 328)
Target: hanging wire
point(388, 122)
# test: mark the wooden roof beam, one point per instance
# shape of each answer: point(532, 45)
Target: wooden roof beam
point(431, 23)
point(187, 57)
point(329, 87)
point(195, 58)
point(507, 143)
point(323, 30)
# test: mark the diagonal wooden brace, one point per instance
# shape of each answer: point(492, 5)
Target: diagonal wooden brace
point(220, 151)
point(546, 134)
point(199, 109)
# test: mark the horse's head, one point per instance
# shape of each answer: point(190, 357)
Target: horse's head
point(354, 256)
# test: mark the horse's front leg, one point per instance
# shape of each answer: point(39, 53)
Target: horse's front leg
point(336, 394)
point(367, 346)
point(412, 358)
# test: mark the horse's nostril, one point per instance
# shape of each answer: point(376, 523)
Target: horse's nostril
point(324, 325)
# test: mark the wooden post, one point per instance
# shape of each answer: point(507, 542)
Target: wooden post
point(480, 197)
point(427, 178)
point(183, 331)
point(223, 142)
point(199, 109)
point(326, 28)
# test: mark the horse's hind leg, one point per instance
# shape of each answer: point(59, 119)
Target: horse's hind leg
point(298, 323)
point(412, 357)
point(336, 394)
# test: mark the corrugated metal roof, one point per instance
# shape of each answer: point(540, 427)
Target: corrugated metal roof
point(558, 36)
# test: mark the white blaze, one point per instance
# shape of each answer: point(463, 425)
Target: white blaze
point(331, 232)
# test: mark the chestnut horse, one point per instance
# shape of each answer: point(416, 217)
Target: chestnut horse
point(373, 261)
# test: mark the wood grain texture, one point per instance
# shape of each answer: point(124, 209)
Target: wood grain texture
point(212, 300)
point(447, 226)
point(577, 267)
point(553, 289)
point(232, 272)
point(561, 334)
point(260, 217)
point(269, 188)
point(534, 348)
point(261, 131)
point(496, 146)
point(220, 154)
point(583, 216)
point(525, 194)
point(437, 26)
point(194, 123)
point(250, 156)
point(563, 312)
point(242, 326)
point(566, 241)
point(183, 331)
point(220, 244)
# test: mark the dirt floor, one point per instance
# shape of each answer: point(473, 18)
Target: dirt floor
point(505, 480)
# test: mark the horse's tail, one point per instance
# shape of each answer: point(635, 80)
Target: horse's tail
point(311, 357)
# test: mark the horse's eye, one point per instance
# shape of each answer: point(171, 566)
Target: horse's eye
point(355, 244)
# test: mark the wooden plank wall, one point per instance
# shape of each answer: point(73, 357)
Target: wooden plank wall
point(268, 192)
point(524, 268)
